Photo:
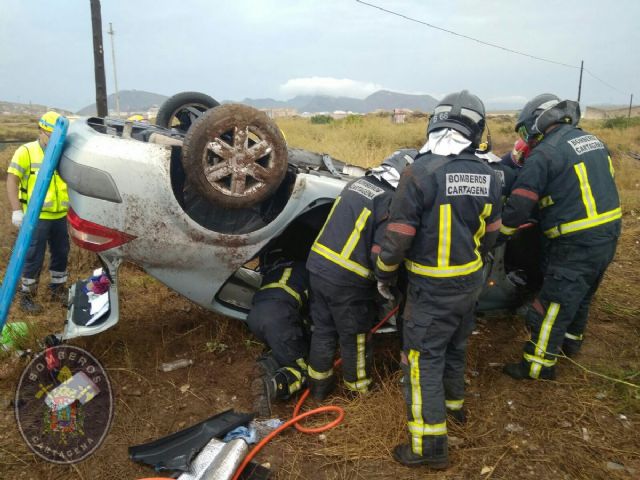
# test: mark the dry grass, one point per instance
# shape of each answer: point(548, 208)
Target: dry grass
point(14, 128)
point(570, 428)
point(18, 127)
point(357, 140)
point(158, 325)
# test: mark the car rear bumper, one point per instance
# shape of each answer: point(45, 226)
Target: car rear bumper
point(84, 317)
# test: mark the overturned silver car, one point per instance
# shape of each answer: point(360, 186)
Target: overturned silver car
point(195, 199)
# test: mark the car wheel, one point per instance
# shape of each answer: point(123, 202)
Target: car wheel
point(183, 109)
point(235, 156)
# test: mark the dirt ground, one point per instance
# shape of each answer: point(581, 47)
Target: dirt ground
point(582, 426)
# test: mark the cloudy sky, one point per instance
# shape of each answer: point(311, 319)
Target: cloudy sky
point(234, 49)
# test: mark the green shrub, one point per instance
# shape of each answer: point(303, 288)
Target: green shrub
point(321, 119)
point(620, 122)
point(353, 120)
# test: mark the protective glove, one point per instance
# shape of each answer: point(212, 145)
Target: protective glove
point(16, 218)
point(384, 289)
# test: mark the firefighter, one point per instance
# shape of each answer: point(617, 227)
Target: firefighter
point(444, 218)
point(277, 319)
point(569, 176)
point(506, 174)
point(343, 291)
point(52, 225)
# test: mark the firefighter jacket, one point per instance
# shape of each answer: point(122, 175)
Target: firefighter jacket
point(439, 216)
point(569, 175)
point(288, 281)
point(25, 165)
point(344, 247)
point(507, 176)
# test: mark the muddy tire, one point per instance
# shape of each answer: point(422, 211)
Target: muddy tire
point(183, 109)
point(235, 156)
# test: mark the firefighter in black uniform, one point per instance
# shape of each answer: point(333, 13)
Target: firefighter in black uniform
point(343, 288)
point(277, 319)
point(569, 176)
point(507, 175)
point(444, 218)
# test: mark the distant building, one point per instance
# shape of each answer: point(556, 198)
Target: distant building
point(399, 115)
point(339, 114)
point(280, 112)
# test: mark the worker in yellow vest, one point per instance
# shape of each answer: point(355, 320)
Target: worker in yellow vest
point(52, 225)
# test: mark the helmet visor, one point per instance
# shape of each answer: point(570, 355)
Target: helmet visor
point(523, 133)
point(532, 139)
point(472, 115)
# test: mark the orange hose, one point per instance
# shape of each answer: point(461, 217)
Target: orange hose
point(299, 416)
point(287, 424)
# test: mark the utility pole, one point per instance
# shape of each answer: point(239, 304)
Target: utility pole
point(98, 59)
point(630, 104)
point(115, 77)
point(580, 82)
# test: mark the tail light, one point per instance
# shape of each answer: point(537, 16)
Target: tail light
point(94, 237)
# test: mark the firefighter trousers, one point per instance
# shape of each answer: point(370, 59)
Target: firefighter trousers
point(344, 315)
point(560, 312)
point(279, 324)
point(436, 328)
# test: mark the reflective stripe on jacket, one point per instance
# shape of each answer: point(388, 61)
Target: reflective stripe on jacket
point(439, 216)
point(569, 175)
point(288, 282)
point(25, 164)
point(344, 247)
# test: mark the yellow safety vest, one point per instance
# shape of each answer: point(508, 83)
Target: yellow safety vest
point(25, 164)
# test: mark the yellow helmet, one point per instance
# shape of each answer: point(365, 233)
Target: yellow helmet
point(48, 121)
point(135, 118)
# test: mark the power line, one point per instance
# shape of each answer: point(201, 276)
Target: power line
point(605, 83)
point(467, 37)
point(411, 19)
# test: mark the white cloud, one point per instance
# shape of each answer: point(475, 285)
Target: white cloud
point(334, 87)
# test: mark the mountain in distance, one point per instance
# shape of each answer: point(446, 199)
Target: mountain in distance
point(130, 101)
point(325, 103)
point(380, 100)
point(386, 100)
point(141, 101)
point(13, 108)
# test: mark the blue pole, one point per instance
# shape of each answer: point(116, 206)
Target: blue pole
point(16, 262)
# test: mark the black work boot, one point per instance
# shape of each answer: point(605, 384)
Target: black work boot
point(459, 416)
point(279, 386)
point(320, 389)
point(570, 347)
point(263, 393)
point(434, 454)
point(266, 365)
point(58, 293)
point(520, 371)
point(28, 304)
point(263, 385)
